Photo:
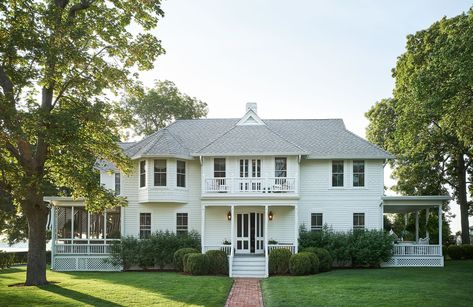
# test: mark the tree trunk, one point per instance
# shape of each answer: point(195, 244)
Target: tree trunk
point(462, 200)
point(37, 215)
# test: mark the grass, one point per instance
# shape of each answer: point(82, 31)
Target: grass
point(115, 289)
point(451, 285)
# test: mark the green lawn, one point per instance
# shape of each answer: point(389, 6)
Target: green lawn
point(451, 285)
point(115, 289)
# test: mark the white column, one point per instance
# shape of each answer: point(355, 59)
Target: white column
point(427, 211)
point(202, 229)
point(53, 233)
point(440, 229)
point(232, 229)
point(417, 226)
point(296, 229)
point(266, 220)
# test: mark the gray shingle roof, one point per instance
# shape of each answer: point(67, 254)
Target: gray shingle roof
point(314, 138)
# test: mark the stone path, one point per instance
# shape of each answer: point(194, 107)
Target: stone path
point(245, 292)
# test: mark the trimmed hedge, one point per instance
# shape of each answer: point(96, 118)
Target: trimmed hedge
point(218, 262)
point(325, 259)
point(302, 263)
point(279, 261)
point(179, 257)
point(455, 252)
point(185, 267)
point(198, 264)
point(467, 251)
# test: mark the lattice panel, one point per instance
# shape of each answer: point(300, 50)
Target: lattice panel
point(83, 263)
point(414, 262)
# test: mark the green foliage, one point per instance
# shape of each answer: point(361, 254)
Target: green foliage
point(218, 262)
point(428, 125)
point(467, 251)
point(455, 252)
point(324, 257)
point(179, 257)
point(186, 268)
point(157, 250)
point(198, 264)
point(279, 261)
point(371, 247)
point(161, 105)
point(302, 263)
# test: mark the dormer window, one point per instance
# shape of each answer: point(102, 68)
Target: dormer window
point(142, 174)
point(160, 173)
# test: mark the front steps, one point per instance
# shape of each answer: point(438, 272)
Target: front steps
point(253, 266)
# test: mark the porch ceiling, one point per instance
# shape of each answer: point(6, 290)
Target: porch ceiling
point(404, 204)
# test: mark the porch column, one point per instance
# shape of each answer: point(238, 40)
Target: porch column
point(417, 226)
point(427, 211)
point(266, 220)
point(296, 229)
point(53, 233)
point(440, 229)
point(202, 230)
point(232, 230)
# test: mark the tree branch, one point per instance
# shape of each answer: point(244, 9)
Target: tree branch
point(84, 4)
point(6, 85)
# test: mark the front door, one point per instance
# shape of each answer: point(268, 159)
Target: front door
point(250, 238)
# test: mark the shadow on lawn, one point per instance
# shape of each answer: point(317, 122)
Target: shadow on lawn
point(77, 296)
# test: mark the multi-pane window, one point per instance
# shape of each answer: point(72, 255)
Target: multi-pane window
point(181, 223)
point(117, 183)
point(160, 173)
point(142, 174)
point(358, 220)
point(316, 221)
point(280, 167)
point(145, 225)
point(219, 168)
point(358, 173)
point(337, 173)
point(244, 163)
point(256, 168)
point(181, 174)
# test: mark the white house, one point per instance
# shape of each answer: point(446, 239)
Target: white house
point(246, 181)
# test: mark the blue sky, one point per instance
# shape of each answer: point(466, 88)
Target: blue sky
point(296, 59)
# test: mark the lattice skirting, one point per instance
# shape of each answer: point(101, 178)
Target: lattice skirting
point(414, 262)
point(83, 263)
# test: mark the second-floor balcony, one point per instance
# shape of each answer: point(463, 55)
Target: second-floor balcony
point(250, 185)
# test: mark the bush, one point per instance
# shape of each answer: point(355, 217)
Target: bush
point(455, 252)
point(218, 262)
point(179, 257)
point(371, 247)
point(185, 267)
point(301, 263)
point(325, 259)
point(467, 251)
point(279, 261)
point(444, 250)
point(124, 252)
point(198, 264)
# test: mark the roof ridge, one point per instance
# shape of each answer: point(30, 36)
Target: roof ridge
point(175, 138)
point(290, 142)
point(369, 143)
point(217, 138)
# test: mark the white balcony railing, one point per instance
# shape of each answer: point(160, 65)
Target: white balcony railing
point(250, 185)
point(290, 247)
point(84, 248)
point(416, 250)
point(222, 247)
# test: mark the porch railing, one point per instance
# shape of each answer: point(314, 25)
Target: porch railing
point(290, 247)
point(83, 247)
point(222, 247)
point(417, 250)
point(250, 185)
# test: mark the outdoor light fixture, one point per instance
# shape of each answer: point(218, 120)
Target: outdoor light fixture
point(270, 215)
point(229, 215)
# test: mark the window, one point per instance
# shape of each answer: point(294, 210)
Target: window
point(256, 168)
point(160, 173)
point(117, 183)
point(145, 225)
point(219, 167)
point(181, 174)
point(280, 167)
point(358, 220)
point(244, 168)
point(142, 174)
point(316, 221)
point(337, 173)
point(113, 223)
point(181, 223)
point(358, 173)
point(80, 223)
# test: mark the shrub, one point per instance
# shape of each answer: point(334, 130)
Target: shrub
point(444, 250)
point(218, 262)
point(325, 259)
point(124, 252)
point(455, 252)
point(301, 263)
point(279, 261)
point(179, 257)
point(198, 264)
point(371, 247)
point(467, 251)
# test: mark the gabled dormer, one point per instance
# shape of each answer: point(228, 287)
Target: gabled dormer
point(251, 117)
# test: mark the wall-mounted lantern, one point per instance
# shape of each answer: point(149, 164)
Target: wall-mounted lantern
point(229, 215)
point(270, 215)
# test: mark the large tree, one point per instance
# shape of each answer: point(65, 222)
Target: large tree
point(149, 111)
point(428, 124)
point(61, 64)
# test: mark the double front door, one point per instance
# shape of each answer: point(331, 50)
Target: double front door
point(249, 233)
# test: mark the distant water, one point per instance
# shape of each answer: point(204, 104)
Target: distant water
point(19, 247)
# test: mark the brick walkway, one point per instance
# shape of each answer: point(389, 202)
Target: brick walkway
point(245, 292)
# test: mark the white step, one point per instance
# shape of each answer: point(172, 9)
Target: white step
point(249, 266)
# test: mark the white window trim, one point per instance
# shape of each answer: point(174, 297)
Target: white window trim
point(352, 174)
point(139, 175)
point(167, 174)
point(188, 220)
point(186, 183)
